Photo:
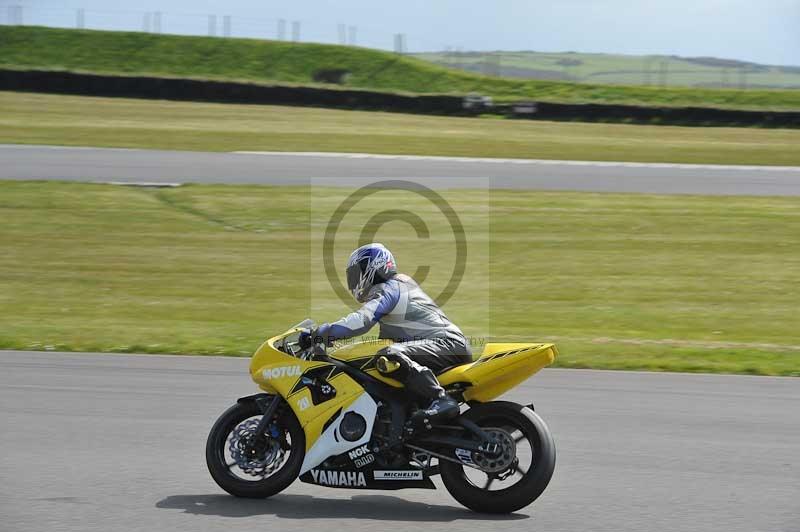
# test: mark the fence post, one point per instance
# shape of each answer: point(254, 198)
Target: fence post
point(146, 22)
point(295, 30)
point(226, 26)
point(342, 30)
point(281, 29)
point(491, 64)
point(80, 18)
point(15, 15)
point(351, 35)
point(157, 22)
point(647, 63)
point(399, 43)
point(663, 73)
point(212, 25)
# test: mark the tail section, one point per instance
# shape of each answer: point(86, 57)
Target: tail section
point(500, 367)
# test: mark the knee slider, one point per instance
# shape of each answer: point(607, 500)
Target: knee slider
point(386, 366)
point(391, 361)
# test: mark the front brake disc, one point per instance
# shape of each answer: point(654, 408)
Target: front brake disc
point(258, 464)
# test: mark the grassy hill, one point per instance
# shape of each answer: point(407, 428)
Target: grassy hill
point(283, 62)
point(622, 69)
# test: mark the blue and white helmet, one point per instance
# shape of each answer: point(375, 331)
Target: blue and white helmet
point(368, 266)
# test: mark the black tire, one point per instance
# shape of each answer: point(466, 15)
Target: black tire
point(257, 489)
point(533, 482)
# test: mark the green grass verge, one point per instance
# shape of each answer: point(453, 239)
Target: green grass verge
point(275, 61)
point(617, 281)
point(83, 121)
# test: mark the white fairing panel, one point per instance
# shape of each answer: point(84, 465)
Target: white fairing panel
point(330, 443)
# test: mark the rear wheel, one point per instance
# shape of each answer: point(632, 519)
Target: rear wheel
point(246, 464)
point(513, 477)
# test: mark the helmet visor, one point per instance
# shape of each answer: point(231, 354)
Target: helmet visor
point(353, 277)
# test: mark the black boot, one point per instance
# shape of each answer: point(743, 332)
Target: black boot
point(421, 382)
point(442, 409)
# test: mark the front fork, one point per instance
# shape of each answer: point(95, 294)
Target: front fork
point(268, 406)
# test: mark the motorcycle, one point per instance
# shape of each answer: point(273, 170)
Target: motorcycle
point(331, 419)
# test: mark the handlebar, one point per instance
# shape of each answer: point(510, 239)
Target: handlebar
point(317, 351)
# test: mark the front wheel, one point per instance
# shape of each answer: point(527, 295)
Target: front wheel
point(514, 477)
point(246, 464)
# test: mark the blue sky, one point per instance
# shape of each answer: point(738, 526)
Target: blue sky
point(767, 31)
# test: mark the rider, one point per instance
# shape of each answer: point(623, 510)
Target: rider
point(426, 342)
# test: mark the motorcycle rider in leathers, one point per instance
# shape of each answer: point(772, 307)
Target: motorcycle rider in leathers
point(425, 341)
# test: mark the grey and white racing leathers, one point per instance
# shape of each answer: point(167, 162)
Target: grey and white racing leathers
point(426, 342)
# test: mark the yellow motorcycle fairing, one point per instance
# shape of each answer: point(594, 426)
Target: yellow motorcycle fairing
point(361, 355)
point(500, 367)
point(276, 372)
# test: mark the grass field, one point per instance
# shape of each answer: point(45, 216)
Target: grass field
point(83, 121)
point(618, 281)
point(283, 62)
point(622, 69)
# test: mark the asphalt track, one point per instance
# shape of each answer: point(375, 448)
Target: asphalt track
point(115, 443)
point(124, 165)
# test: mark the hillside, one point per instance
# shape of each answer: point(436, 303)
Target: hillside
point(299, 63)
point(622, 69)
